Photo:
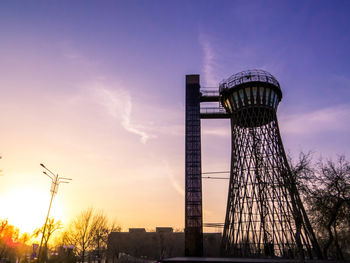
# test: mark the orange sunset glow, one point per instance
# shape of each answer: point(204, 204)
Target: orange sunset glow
point(95, 90)
point(32, 204)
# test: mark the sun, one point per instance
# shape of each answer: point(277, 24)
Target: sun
point(26, 207)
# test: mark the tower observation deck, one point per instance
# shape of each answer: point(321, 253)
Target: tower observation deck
point(265, 216)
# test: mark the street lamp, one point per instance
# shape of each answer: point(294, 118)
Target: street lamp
point(56, 180)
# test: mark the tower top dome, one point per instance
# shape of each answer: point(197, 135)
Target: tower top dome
point(248, 93)
point(246, 76)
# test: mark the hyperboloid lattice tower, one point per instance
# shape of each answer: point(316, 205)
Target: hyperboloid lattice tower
point(265, 215)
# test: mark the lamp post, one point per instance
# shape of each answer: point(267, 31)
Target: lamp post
point(56, 180)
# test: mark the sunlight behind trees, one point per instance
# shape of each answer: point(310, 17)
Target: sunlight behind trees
point(86, 235)
point(51, 227)
point(324, 187)
point(28, 206)
point(89, 231)
point(13, 246)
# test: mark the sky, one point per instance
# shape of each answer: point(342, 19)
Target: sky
point(95, 90)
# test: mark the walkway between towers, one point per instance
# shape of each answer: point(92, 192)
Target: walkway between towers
point(214, 112)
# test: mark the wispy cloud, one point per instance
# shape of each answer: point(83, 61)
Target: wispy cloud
point(319, 121)
point(115, 99)
point(209, 62)
point(170, 173)
point(219, 131)
point(176, 185)
point(118, 103)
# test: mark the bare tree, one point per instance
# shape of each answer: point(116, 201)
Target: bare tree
point(8, 237)
point(51, 227)
point(330, 203)
point(302, 173)
point(79, 232)
point(12, 246)
point(102, 228)
point(326, 190)
point(89, 231)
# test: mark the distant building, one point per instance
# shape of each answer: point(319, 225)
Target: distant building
point(162, 243)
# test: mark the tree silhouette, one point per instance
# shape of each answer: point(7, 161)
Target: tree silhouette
point(330, 203)
point(12, 245)
point(89, 231)
point(51, 227)
point(326, 190)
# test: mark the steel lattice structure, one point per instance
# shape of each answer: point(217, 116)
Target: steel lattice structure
point(265, 215)
point(193, 181)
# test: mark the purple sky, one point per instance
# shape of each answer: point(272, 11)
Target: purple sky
point(95, 90)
